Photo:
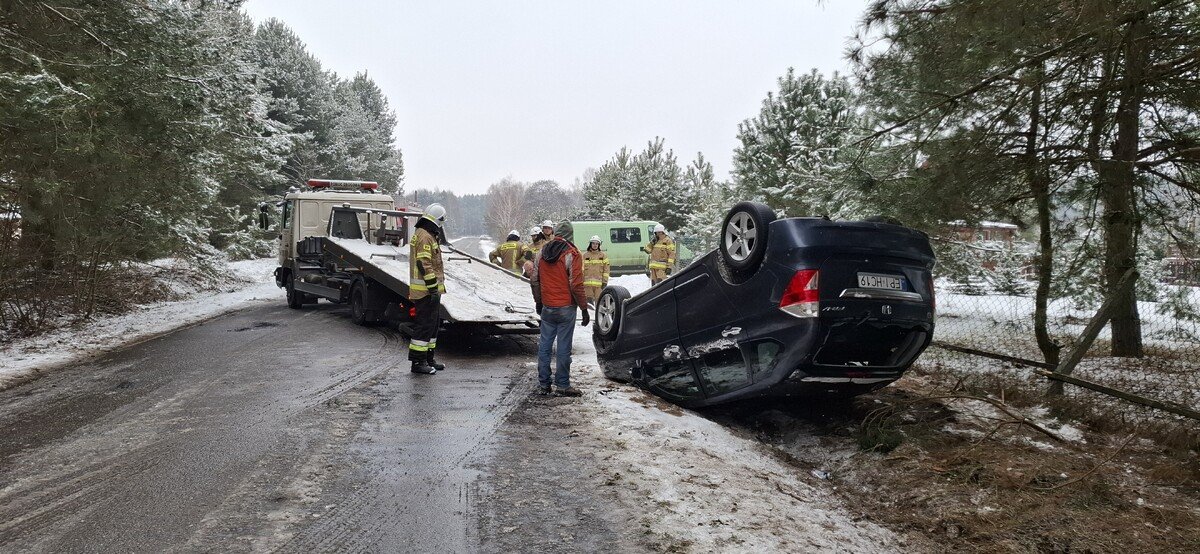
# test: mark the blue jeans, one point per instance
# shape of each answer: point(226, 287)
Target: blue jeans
point(557, 323)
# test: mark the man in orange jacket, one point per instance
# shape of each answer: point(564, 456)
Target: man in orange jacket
point(558, 290)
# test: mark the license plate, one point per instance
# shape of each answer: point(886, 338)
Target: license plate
point(879, 281)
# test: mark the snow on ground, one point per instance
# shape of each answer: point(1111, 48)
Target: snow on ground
point(635, 284)
point(704, 487)
point(253, 281)
point(486, 245)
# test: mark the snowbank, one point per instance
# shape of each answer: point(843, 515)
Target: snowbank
point(253, 281)
point(635, 284)
point(707, 489)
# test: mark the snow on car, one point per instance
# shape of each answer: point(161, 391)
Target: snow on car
point(781, 306)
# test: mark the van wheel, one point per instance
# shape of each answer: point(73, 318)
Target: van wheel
point(744, 236)
point(295, 299)
point(608, 311)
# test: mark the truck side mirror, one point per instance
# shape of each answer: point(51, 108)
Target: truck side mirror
point(264, 216)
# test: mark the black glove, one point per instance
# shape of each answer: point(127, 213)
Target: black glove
point(670, 271)
point(537, 307)
point(586, 319)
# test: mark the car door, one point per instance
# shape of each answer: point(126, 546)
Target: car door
point(650, 337)
point(709, 330)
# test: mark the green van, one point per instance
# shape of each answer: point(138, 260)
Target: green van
point(623, 241)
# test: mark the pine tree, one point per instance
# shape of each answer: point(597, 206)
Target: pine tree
point(798, 152)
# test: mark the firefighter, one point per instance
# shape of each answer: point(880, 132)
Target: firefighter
point(509, 254)
point(536, 240)
point(425, 289)
point(662, 255)
point(595, 270)
point(547, 230)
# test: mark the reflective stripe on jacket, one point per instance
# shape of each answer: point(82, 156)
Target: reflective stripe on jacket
point(425, 259)
point(662, 253)
point(508, 256)
point(595, 268)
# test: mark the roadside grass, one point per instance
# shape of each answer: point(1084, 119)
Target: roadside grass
point(953, 473)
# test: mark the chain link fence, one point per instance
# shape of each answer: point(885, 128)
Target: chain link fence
point(985, 318)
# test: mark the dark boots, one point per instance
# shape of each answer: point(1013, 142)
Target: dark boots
point(426, 364)
point(421, 363)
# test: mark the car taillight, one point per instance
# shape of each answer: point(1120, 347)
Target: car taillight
point(802, 294)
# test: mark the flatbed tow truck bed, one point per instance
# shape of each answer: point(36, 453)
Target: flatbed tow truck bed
point(477, 292)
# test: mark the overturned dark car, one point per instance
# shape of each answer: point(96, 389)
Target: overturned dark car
point(781, 306)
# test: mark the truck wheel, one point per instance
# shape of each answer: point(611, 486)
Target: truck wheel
point(295, 299)
point(744, 236)
point(358, 305)
point(608, 311)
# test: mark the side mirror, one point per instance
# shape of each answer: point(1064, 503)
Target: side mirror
point(264, 216)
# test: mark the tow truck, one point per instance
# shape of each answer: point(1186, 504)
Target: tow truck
point(345, 242)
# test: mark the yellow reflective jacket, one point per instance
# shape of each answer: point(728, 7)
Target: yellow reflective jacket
point(508, 255)
point(595, 268)
point(662, 253)
point(425, 259)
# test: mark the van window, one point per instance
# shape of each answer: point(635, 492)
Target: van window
point(286, 220)
point(618, 235)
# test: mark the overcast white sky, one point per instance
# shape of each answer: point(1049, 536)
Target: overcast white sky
point(545, 89)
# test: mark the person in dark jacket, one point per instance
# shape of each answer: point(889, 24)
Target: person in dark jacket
point(558, 291)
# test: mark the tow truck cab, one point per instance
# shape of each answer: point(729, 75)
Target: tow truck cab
point(306, 214)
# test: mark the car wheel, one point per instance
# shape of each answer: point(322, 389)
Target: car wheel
point(744, 236)
point(358, 304)
point(608, 311)
point(295, 299)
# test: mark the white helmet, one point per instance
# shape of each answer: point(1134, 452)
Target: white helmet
point(514, 232)
point(548, 223)
point(660, 228)
point(595, 239)
point(535, 230)
point(436, 212)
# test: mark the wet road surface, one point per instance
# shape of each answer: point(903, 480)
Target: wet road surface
point(263, 429)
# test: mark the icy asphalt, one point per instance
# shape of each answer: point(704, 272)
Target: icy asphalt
point(263, 429)
point(271, 429)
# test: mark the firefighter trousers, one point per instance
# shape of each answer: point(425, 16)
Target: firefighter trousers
point(423, 341)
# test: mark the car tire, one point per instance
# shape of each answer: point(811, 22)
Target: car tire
point(608, 311)
point(295, 299)
point(358, 305)
point(743, 236)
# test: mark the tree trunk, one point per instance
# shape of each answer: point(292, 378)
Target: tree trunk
point(1039, 182)
point(1117, 181)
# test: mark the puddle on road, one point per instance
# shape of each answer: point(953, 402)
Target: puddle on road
point(255, 325)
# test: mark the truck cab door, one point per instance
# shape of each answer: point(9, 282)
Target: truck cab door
point(286, 243)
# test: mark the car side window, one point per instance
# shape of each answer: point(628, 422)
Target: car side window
point(618, 235)
point(762, 358)
point(674, 378)
point(286, 221)
point(723, 371)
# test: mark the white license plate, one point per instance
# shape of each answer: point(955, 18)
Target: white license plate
point(878, 281)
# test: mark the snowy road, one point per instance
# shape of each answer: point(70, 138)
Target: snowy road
point(261, 429)
point(270, 429)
